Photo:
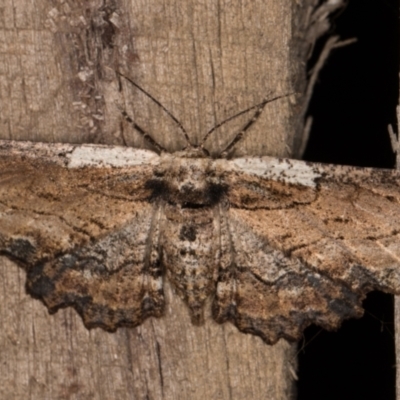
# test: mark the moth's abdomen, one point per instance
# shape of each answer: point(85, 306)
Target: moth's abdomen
point(189, 244)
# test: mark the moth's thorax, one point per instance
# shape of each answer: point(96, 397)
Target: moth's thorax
point(188, 178)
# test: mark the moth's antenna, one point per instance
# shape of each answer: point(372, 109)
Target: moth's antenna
point(207, 135)
point(180, 126)
point(259, 108)
point(146, 136)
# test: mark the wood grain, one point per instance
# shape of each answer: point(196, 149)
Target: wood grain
point(59, 84)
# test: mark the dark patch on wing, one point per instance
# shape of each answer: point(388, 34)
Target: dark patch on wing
point(215, 192)
point(22, 249)
point(188, 232)
point(158, 189)
point(38, 284)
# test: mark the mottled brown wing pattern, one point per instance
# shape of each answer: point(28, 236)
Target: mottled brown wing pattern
point(294, 262)
point(83, 233)
point(115, 281)
point(268, 293)
point(279, 244)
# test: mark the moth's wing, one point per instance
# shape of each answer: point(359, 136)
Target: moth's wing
point(265, 292)
point(304, 244)
point(115, 281)
point(54, 197)
point(78, 219)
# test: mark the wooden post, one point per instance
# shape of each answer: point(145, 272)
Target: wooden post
point(396, 148)
point(203, 61)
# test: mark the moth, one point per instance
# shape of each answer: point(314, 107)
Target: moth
point(276, 244)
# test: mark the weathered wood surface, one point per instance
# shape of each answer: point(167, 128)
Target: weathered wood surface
point(397, 342)
point(396, 148)
point(204, 62)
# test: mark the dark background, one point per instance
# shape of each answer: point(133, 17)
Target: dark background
point(354, 101)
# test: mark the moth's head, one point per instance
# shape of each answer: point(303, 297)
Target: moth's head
point(191, 152)
point(184, 179)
